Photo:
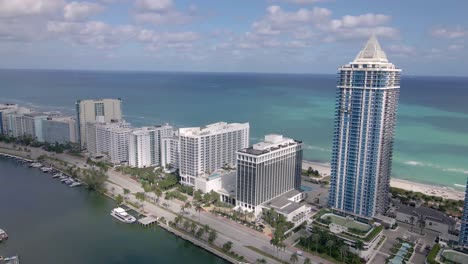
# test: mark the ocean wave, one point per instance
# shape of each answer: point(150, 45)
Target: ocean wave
point(430, 165)
point(317, 148)
point(459, 185)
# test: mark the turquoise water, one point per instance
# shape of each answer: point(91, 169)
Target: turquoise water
point(431, 143)
point(51, 223)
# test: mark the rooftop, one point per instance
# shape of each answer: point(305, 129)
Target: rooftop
point(433, 214)
point(282, 204)
point(272, 142)
point(372, 52)
point(211, 129)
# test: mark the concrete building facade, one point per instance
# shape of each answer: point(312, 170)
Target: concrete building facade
point(463, 237)
point(204, 150)
point(145, 145)
point(109, 140)
point(99, 110)
point(60, 130)
point(267, 170)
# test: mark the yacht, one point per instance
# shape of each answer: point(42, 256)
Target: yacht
point(46, 169)
point(75, 183)
point(35, 165)
point(56, 175)
point(3, 235)
point(121, 215)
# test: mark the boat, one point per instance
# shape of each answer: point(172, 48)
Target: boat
point(74, 184)
point(35, 165)
point(69, 181)
point(65, 179)
point(121, 215)
point(10, 260)
point(3, 235)
point(46, 169)
point(56, 175)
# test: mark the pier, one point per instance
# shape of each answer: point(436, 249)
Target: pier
point(148, 221)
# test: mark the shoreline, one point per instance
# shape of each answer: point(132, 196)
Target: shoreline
point(427, 189)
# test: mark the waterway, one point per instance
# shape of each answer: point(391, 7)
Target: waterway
point(49, 222)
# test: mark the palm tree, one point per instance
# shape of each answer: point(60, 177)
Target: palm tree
point(126, 192)
point(198, 208)
point(193, 226)
point(206, 228)
point(186, 224)
point(158, 192)
point(294, 258)
point(119, 199)
point(213, 235)
point(307, 261)
point(343, 251)
point(330, 244)
point(177, 219)
point(316, 238)
point(188, 205)
point(359, 245)
point(141, 197)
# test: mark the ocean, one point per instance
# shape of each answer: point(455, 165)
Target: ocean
point(50, 223)
point(431, 142)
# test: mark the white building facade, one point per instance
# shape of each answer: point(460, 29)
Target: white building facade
point(170, 151)
point(60, 130)
point(145, 145)
point(109, 140)
point(204, 150)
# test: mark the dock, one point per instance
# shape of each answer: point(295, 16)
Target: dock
point(148, 220)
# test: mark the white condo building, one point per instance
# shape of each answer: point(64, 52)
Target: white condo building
point(268, 170)
point(92, 111)
point(170, 151)
point(60, 130)
point(109, 140)
point(206, 149)
point(144, 145)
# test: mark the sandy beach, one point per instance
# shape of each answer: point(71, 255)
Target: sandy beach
point(439, 191)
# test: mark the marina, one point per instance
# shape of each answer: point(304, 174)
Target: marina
point(148, 221)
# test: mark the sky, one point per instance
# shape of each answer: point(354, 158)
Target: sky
point(423, 37)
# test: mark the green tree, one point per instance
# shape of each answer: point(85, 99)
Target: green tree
point(141, 197)
point(213, 235)
point(307, 261)
point(359, 245)
point(158, 192)
point(119, 199)
point(193, 226)
point(316, 238)
point(330, 243)
point(198, 209)
point(197, 195)
point(343, 251)
point(294, 258)
point(186, 225)
point(95, 179)
point(126, 192)
point(177, 219)
point(227, 246)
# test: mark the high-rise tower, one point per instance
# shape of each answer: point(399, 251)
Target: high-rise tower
point(463, 240)
point(365, 117)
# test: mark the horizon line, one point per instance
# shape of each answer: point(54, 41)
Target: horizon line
point(203, 72)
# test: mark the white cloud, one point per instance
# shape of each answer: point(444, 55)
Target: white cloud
point(301, 2)
point(76, 11)
point(449, 33)
point(171, 17)
point(15, 8)
point(153, 5)
point(162, 12)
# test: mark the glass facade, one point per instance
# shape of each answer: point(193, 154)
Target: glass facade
point(365, 116)
point(463, 239)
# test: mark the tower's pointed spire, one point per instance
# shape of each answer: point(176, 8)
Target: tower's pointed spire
point(372, 52)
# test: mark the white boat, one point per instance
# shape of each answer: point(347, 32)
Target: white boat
point(35, 165)
point(121, 215)
point(66, 179)
point(46, 169)
point(56, 175)
point(3, 235)
point(69, 181)
point(74, 184)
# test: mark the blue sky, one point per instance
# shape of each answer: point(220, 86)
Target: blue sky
point(289, 36)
